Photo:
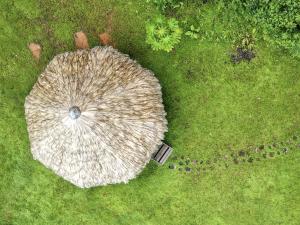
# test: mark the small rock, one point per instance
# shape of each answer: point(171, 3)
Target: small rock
point(81, 40)
point(188, 169)
point(172, 166)
point(35, 50)
point(242, 153)
point(195, 161)
point(285, 150)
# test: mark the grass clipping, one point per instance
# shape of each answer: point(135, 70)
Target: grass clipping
point(118, 123)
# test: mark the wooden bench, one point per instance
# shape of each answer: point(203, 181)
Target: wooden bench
point(163, 153)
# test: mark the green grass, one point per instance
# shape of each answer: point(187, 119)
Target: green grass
point(214, 109)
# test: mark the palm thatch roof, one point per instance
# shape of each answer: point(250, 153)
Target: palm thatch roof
point(95, 117)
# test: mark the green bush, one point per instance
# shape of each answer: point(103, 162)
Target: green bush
point(279, 20)
point(163, 33)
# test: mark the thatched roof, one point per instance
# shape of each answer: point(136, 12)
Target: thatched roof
point(95, 117)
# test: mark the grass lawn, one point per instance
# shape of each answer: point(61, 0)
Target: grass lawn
point(217, 111)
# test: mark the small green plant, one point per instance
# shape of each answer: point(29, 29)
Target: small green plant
point(162, 5)
point(246, 41)
point(193, 32)
point(163, 33)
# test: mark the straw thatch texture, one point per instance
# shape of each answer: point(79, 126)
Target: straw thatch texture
point(116, 125)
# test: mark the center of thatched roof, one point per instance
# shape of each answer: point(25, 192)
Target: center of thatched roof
point(74, 112)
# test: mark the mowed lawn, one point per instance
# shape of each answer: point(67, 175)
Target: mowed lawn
point(215, 109)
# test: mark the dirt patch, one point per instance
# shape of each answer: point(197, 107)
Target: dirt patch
point(81, 40)
point(36, 50)
point(242, 55)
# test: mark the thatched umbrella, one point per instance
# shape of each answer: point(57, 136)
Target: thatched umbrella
point(95, 117)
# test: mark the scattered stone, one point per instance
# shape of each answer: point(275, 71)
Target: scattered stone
point(271, 154)
point(172, 166)
point(236, 161)
point(285, 150)
point(188, 169)
point(242, 153)
point(35, 50)
point(195, 161)
point(250, 160)
point(81, 40)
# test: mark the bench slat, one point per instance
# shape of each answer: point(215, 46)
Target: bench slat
point(163, 153)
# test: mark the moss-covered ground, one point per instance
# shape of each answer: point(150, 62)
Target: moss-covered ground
point(216, 109)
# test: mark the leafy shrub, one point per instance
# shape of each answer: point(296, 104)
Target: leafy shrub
point(163, 33)
point(279, 20)
point(193, 32)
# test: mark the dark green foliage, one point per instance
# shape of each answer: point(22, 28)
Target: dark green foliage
point(279, 20)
